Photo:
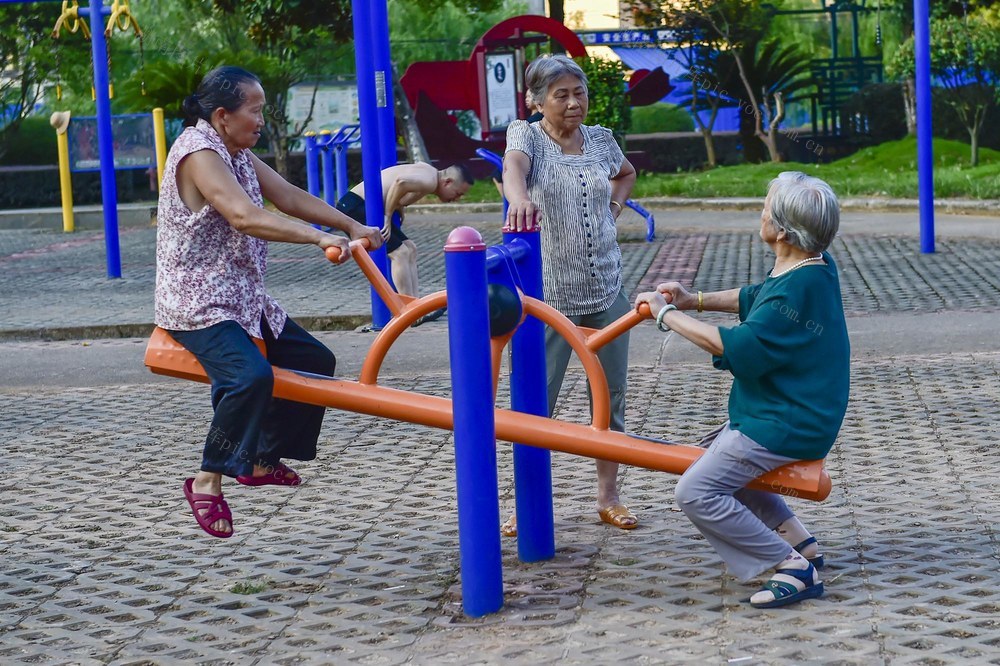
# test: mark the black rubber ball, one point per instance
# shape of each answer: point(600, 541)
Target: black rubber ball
point(505, 309)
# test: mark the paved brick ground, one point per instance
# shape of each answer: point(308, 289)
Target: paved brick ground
point(102, 564)
point(47, 281)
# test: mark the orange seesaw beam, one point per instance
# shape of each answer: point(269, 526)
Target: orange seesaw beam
point(807, 479)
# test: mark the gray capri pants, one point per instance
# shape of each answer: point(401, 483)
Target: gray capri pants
point(739, 523)
point(613, 357)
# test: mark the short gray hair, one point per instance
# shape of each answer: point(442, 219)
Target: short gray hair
point(545, 71)
point(806, 209)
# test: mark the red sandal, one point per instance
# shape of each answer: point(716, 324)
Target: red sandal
point(278, 476)
point(208, 509)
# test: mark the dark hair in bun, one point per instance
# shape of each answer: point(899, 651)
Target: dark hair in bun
point(222, 87)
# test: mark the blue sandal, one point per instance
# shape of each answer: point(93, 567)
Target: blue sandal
point(817, 561)
point(785, 586)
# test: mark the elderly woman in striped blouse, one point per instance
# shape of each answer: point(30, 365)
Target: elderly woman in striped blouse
point(572, 179)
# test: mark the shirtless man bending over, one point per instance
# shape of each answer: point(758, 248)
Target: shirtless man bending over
point(403, 185)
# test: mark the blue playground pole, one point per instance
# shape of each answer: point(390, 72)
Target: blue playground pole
point(370, 140)
point(528, 393)
point(340, 156)
point(326, 157)
point(475, 429)
point(925, 145)
point(312, 165)
point(385, 108)
point(105, 141)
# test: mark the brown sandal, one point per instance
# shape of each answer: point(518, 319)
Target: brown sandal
point(616, 515)
point(508, 528)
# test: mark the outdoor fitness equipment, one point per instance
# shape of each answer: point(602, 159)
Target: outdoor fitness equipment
point(140, 137)
point(472, 414)
point(120, 16)
point(326, 156)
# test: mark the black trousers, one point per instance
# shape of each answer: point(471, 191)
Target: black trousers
point(250, 427)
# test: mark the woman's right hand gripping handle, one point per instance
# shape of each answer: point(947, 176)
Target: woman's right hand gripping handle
point(338, 249)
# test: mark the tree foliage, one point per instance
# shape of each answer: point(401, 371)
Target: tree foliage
point(26, 63)
point(609, 104)
point(441, 30)
point(965, 61)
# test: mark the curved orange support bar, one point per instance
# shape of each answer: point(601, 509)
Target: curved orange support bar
point(806, 479)
point(394, 301)
point(400, 321)
point(599, 392)
point(497, 345)
point(626, 322)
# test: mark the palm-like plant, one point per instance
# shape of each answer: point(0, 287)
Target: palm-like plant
point(770, 74)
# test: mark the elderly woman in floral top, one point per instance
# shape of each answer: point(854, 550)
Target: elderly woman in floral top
point(574, 177)
point(211, 259)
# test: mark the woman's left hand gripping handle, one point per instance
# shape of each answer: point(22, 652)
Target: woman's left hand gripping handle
point(339, 250)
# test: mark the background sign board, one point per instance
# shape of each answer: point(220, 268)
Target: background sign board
point(501, 90)
point(132, 138)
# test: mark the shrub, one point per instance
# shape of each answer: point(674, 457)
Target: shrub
point(608, 99)
point(661, 117)
point(32, 143)
point(875, 112)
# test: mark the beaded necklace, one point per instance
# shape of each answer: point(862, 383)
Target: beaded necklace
point(794, 266)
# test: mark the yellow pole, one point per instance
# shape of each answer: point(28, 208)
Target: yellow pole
point(160, 132)
point(60, 121)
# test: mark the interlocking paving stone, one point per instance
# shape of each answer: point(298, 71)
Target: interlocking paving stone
point(100, 561)
point(47, 281)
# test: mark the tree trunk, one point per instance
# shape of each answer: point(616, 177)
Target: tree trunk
point(974, 132)
point(706, 133)
point(280, 149)
point(758, 118)
point(706, 130)
point(910, 106)
point(771, 136)
point(557, 10)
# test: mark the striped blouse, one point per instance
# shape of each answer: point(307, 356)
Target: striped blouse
point(581, 260)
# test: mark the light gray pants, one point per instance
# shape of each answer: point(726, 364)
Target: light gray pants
point(613, 357)
point(739, 523)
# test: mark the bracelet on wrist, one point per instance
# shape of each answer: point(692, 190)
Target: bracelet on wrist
point(618, 203)
point(701, 302)
point(659, 317)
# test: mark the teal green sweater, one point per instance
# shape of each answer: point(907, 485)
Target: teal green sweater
point(790, 360)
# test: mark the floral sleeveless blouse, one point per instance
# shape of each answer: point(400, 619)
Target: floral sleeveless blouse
point(207, 271)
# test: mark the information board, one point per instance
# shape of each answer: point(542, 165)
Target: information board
point(132, 139)
point(501, 90)
point(336, 106)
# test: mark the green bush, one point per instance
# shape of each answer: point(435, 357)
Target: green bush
point(880, 105)
point(608, 99)
point(661, 117)
point(32, 143)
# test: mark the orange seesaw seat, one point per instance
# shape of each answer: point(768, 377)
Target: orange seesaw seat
point(806, 479)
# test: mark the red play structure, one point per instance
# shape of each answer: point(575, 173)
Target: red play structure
point(491, 84)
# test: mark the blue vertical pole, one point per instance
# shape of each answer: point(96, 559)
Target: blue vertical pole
point(385, 108)
point(370, 151)
point(105, 141)
point(340, 157)
point(312, 164)
point(528, 393)
point(475, 430)
point(925, 143)
point(329, 189)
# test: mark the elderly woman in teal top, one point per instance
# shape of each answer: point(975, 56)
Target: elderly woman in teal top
point(573, 178)
point(790, 361)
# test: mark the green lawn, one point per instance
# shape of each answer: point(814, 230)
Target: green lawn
point(886, 170)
